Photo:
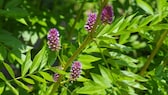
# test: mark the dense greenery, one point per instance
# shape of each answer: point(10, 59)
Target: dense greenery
point(127, 57)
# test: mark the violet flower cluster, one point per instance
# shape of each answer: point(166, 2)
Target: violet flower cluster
point(53, 39)
point(75, 70)
point(106, 17)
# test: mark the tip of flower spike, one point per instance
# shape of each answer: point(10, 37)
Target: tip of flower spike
point(107, 14)
point(53, 39)
point(90, 21)
point(75, 70)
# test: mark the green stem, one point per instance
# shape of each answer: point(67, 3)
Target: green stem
point(158, 45)
point(87, 40)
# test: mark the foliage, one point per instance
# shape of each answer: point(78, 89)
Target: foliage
point(126, 57)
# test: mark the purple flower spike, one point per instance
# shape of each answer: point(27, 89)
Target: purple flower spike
point(107, 15)
point(56, 76)
point(53, 39)
point(75, 70)
point(90, 21)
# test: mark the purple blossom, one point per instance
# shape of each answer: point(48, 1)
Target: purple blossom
point(56, 76)
point(107, 14)
point(53, 39)
point(90, 21)
point(75, 70)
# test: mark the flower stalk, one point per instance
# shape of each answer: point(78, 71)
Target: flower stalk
point(87, 40)
point(150, 58)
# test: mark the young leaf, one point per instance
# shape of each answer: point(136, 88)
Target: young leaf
point(27, 63)
point(46, 76)
point(37, 60)
point(9, 69)
point(37, 78)
point(145, 6)
point(19, 83)
point(29, 80)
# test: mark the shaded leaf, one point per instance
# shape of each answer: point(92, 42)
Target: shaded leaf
point(14, 90)
point(19, 83)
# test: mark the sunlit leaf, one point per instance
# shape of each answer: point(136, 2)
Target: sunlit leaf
point(10, 70)
point(3, 53)
point(37, 60)
point(145, 6)
point(46, 76)
point(29, 80)
point(2, 86)
point(26, 65)
point(37, 78)
point(100, 80)
point(134, 84)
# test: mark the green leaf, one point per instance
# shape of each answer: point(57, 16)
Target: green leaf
point(146, 20)
point(145, 6)
point(134, 76)
point(46, 76)
point(29, 80)
point(100, 80)
point(14, 12)
point(9, 69)
point(37, 78)
point(115, 26)
point(14, 90)
point(126, 22)
point(19, 83)
point(89, 58)
point(58, 70)
point(27, 63)
point(134, 22)
point(123, 38)
point(2, 86)
point(37, 60)
point(3, 53)
point(22, 20)
point(134, 84)
point(91, 89)
point(106, 73)
point(12, 3)
point(160, 5)
point(2, 76)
